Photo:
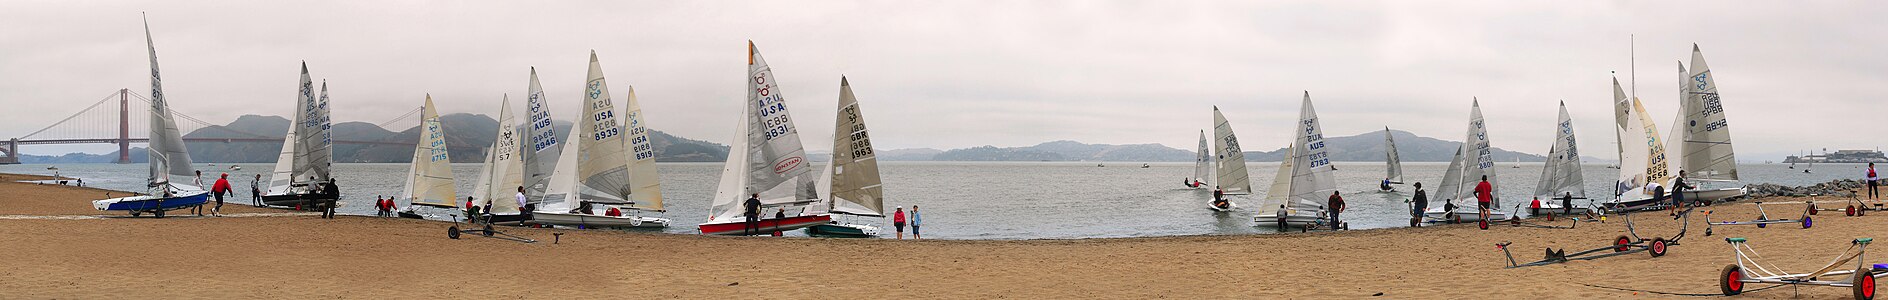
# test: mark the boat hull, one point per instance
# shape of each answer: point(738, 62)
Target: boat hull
point(299, 200)
point(507, 219)
point(1466, 214)
point(735, 225)
point(589, 220)
point(1291, 220)
point(843, 230)
point(1715, 195)
point(152, 203)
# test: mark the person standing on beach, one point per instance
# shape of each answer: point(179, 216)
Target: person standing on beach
point(752, 212)
point(199, 181)
point(1872, 181)
point(255, 191)
point(1678, 191)
point(522, 209)
point(1484, 194)
point(1421, 200)
point(1335, 206)
point(222, 187)
point(898, 221)
point(915, 221)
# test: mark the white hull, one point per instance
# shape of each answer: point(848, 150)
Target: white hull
point(1468, 214)
point(1229, 205)
point(1715, 194)
point(1300, 219)
point(588, 220)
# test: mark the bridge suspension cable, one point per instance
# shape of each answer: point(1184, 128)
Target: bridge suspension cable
point(81, 113)
point(402, 117)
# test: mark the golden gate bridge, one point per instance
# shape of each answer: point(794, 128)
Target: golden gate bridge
point(100, 124)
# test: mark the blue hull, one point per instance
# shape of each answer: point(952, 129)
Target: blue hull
point(164, 204)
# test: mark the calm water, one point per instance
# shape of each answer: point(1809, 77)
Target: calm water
point(1002, 200)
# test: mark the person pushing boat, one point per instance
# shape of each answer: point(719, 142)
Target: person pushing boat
point(752, 212)
point(219, 190)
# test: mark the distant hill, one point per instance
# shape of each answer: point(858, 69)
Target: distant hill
point(1068, 151)
point(467, 137)
point(1369, 147)
point(1366, 147)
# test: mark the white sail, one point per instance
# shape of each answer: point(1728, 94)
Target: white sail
point(560, 189)
point(1478, 157)
point(1451, 186)
point(1312, 180)
point(1674, 135)
point(854, 184)
point(1707, 151)
point(1393, 162)
point(1233, 179)
point(603, 166)
point(280, 180)
point(645, 186)
point(1656, 167)
point(1279, 192)
point(540, 157)
point(1562, 172)
point(1632, 147)
point(429, 182)
point(503, 171)
point(1203, 163)
point(313, 148)
point(773, 161)
point(167, 155)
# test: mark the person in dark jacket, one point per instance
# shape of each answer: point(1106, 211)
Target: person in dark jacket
point(1335, 206)
point(1421, 201)
point(752, 212)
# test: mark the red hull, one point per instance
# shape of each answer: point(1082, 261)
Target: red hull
point(767, 226)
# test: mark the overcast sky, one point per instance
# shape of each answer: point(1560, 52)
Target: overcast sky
point(1794, 75)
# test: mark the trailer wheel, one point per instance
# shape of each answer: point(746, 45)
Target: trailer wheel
point(1731, 280)
point(1657, 247)
point(1621, 243)
point(1550, 217)
point(488, 230)
point(1806, 222)
point(1864, 283)
point(159, 213)
point(1760, 221)
point(1812, 208)
point(1455, 218)
point(1483, 224)
point(1850, 211)
point(1414, 221)
point(136, 213)
point(452, 232)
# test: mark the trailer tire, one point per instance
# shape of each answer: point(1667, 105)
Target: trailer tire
point(1850, 211)
point(1620, 243)
point(159, 213)
point(488, 230)
point(1807, 222)
point(1483, 224)
point(1455, 218)
point(1864, 283)
point(1730, 281)
point(1812, 208)
point(452, 232)
point(1760, 221)
point(1657, 248)
point(135, 213)
point(1415, 221)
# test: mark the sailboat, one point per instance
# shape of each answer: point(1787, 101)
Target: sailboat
point(851, 180)
point(1704, 148)
point(615, 167)
point(301, 177)
point(1202, 166)
point(429, 176)
point(502, 174)
point(1231, 163)
point(1641, 156)
point(540, 156)
point(1312, 176)
point(1392, 163)
point(1474, 160)
point(766, 161)
point(167, 157)
point(1560, 177)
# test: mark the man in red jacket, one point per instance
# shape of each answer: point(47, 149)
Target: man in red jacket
point(1484, 194)
point(221, 187)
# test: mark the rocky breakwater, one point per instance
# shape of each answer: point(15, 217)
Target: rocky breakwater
point(1839, 187)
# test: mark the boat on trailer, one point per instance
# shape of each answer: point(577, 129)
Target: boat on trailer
point(1473, 161)
point(779, 175)
point(1311, 179)
point(501, 176)
point(613, 167)
point(167, 158)
point(1561, 180)
point(429, 176)
point(851, 180)
point(1702, 135)
point(302, 178)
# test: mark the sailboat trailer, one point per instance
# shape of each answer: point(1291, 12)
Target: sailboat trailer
point(1622, 245)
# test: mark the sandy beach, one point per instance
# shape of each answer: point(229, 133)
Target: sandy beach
point(256, 256)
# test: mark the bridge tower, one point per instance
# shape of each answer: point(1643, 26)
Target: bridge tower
point(124, 126)
point(12, 155)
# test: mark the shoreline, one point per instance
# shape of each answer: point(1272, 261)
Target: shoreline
point(369, 257)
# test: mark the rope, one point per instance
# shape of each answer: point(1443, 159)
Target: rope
point(1676, 294)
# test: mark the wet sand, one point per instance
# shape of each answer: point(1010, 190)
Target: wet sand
point(367, 257)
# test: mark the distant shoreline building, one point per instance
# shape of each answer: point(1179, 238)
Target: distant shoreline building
point(1840, 156)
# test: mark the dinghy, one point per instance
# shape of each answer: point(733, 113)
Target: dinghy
point(1703, 136)
point(502, 173)
point(1202, 166)
point(540, 156)
point(429, 176)
point(1392, 163)
point(1231, 163)
point(1312, 177)
point(302, 177)
point(615, 168)
point(1472, 161)
point(766, 159)
point(167, 158)
point(851, 181)
point(1642, 158)
point(1561, 175)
